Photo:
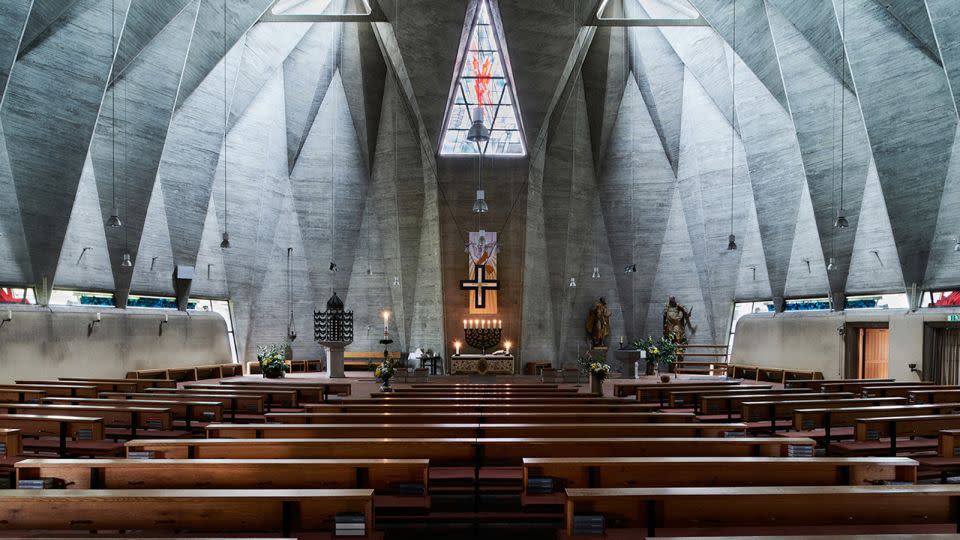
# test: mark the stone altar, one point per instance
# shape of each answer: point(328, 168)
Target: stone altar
point(482, 364)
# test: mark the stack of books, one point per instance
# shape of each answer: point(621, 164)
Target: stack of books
point(588, 524)
point(42, 483)
point(350, 524)
point(3, 449)
point(540, 485)
point(84, 435)
point(154, 423)
point(140, 455)
point(799, 450)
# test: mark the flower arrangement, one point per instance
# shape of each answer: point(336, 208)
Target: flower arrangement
point(384, 371)
point(272, 361)
point(599, 370)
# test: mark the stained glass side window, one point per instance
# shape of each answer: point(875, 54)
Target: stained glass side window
point(484, 82)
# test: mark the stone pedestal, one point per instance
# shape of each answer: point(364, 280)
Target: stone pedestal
point(334, 358)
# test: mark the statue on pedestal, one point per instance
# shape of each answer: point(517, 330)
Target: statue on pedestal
point(676, 320)
point(598, 323)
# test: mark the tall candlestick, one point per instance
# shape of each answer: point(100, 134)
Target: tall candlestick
point(386, 326)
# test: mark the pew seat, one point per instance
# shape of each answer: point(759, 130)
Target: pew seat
point(205, 510)
point(767, 510)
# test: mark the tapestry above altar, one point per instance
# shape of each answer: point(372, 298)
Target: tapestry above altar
point(482, 364)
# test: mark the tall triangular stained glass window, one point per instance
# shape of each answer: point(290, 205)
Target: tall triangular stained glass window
point(483, 80)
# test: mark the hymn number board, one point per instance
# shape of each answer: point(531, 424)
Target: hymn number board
point(481, 283)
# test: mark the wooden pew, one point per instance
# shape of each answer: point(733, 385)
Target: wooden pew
point(686, 398)
point(141, 384)
point(120, 385)
point(807, 419)
point(699, 471)
point(660, 394)
point(657, 511)
point(477, 417)
point(388, 477)
point(474, 451)
point(816, 384)
point(447, 401)
point(349, 407)
point(934, 396)
point(232, 403)
point(359, 431)
point(858, 386)
point(11, 443)
point(57, 390)
point(271, 396)
point(547, 389)
point(630, 389)
point(730, 402)
point(282, 511)
point(184, 410)
point(21, 394)
point(901, 390)
point(947, 460)
point(326, 389)
point(523, 394)
point(60, 427)
point(773, 410)
point(116, 416)
point(871, 430)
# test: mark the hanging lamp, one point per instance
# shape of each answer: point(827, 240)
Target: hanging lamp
point(125, 261)
point(114, 219)
point(841, 222)
point(732, 239)
point(225, 243)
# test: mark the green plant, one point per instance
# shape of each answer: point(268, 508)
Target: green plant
point(272, 361)
point(663, 350)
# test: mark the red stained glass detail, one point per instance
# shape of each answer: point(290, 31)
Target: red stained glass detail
point(481, 84)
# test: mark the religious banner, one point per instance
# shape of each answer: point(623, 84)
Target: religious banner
point(481, 282)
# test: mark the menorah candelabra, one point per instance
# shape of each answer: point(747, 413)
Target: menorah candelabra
point(483, 338)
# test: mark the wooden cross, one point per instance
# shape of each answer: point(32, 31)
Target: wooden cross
point(480, 285)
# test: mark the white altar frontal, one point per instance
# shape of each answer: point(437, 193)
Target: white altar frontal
point(482, 364)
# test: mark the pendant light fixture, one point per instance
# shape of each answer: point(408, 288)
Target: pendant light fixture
point(125, 261)
point(573, 282)
point(225, 243)
point(732, 239)
point(114, 219)
point(841, 222)
point(479, 135)
point(291, 323)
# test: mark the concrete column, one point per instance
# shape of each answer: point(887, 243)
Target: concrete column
point(335, 359)
point(779, 304)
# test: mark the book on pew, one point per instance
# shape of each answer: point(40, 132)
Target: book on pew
point(734, 434)
point(799, 450)
point(42, 483)
point(588, 524)
point(540, 485)
point(154, 423)
point(84, 435)
point(3, 449)
point(209, 414)
point(408, 488)
point(133, 454)
point(350, 524)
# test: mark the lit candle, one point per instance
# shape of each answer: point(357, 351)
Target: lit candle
point(456, 345)
point(507, 344)
point(499, 323)
point(621, 342)
point(464, 323)
point(386, 327)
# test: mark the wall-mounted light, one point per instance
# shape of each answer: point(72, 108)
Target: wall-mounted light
point(877, 255)
point(125, 261)
point(334, 267)
point(956, 247)
point(808, 265)
point(153, 263)
point(596, 272)
point(830, 265)
point(573, 282)
point(82, 253)
point(630, 269)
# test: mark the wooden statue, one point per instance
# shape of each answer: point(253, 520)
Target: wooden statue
point(598, 323)
point(676, 320)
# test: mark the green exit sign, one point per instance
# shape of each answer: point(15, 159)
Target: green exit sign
point(954, 317)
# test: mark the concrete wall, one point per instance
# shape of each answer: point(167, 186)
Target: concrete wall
point(60, 341)
point(811, 340)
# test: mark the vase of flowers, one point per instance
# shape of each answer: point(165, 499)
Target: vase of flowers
point(272, 361)
point(661, 353)
point(384, 372)
point(598, 373)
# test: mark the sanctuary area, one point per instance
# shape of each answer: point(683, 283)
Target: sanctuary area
point(480, 269)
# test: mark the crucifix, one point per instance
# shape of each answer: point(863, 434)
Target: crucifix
point(480, 285)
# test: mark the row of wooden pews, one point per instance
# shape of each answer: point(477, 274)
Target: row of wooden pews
point(511, 460)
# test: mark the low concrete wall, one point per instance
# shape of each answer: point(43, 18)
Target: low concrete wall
point(60, 341)
point(811, 340)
